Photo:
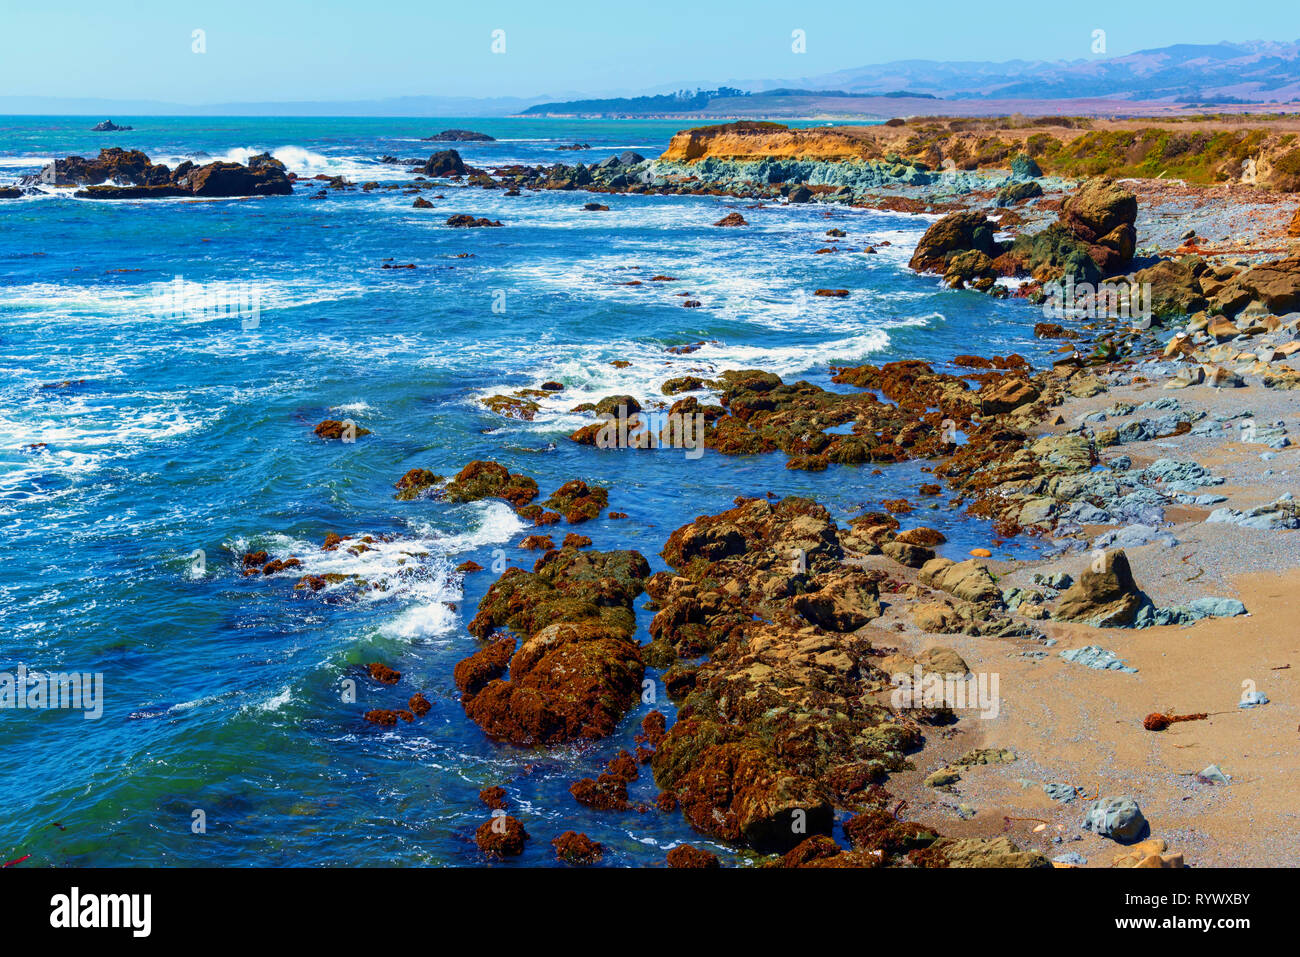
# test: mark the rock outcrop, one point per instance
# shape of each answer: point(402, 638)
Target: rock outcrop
point(578, 669)
point(1094, 237)
point(459, 136)
point(1103, 596)
point(773, 731)
point(129, 174)
point(444, 163)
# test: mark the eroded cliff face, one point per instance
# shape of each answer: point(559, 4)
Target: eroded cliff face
point(1264, 152)
point(747, 140)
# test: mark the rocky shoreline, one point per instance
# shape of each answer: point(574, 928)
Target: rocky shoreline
point(781, 636)
point(823, 674)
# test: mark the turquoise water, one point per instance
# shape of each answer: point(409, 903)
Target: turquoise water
point(165, 434)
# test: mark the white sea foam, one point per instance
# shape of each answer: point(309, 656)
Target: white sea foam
point(23, 162)
point(353, 408)
point(412, 570)
point(42, 302)
point(296, 159)
point(273, 703)
point(588, 376)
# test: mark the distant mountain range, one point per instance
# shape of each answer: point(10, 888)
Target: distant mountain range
point(1261, 71)
point(724, 99)
point(1183, 75)
point(1220, 74)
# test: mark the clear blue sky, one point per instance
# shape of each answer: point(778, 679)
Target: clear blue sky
point(287, 49)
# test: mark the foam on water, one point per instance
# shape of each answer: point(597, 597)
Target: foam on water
point(589, 376)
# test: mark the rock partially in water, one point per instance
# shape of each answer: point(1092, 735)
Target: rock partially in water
point(579, 669)
point(501, 836)
point(690, 856)
point(134, 176)
point(459, 136)
point(574, 848)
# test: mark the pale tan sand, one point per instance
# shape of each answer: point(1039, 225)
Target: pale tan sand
point(1068, 723)
point(1072, 724)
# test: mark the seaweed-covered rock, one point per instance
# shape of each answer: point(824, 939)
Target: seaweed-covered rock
point(690, 856)
point(577, 501)
point(415, 483)
point(501, 836)
point(574, 848)
point(578, 669)
point(770, 723)
point(488, 479)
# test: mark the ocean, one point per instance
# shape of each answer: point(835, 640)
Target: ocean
point(147, 442)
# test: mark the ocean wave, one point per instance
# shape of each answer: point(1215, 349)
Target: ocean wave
point(588, 375)
point(414, 570)
point(176, 300)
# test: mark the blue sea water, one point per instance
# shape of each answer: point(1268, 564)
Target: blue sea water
point(165, 434)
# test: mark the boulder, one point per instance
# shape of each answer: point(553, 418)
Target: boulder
point(969, 580)
point(1024, 167)
point(1104, 598)
point(1101, 213)
point(1175, 288)
point(970, 267)
point(444, 163)
point(1120, 819)
point(956, 232)
point(1275, 285)
point(1014, 193)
